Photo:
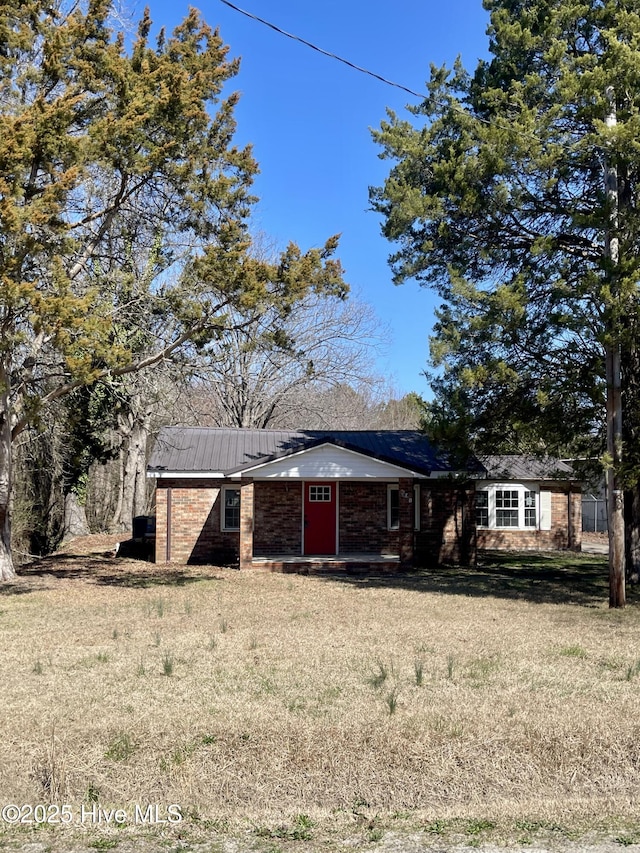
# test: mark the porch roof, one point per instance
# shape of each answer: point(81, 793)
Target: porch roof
point(190, 451)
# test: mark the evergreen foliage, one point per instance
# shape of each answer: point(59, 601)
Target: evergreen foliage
point(123, 207)
point(497, 199)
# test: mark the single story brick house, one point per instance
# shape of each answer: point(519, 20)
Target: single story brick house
point(300, 499)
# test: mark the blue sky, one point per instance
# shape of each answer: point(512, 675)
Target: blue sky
point(309, 118)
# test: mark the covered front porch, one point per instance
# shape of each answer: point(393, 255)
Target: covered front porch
point(333, 524)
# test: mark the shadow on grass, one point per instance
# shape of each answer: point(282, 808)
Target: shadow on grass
point(105, 570)
point(558, 578)
point(8, 588)
point(167, 577)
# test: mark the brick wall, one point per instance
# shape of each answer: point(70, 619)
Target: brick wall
point(363, 519)
point(278, 519)
point(447, 531)
point(406, 521)
point(195, 535)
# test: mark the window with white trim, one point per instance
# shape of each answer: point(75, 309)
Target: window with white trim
point(512, 506)
point(482, 508)
point(230, 508)
point(393, 507)
point(530, 514)
point(319, 494)
point(507, 507)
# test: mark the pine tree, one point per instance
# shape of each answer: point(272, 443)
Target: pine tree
point(108, 154)
point(514, 194)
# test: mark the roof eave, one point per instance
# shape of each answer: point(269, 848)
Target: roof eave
point(166, 474)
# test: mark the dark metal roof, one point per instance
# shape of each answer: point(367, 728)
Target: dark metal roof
point(225, 451)
point(526, 467)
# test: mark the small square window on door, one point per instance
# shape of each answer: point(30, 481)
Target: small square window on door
point(320, 494)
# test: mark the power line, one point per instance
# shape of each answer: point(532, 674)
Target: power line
point(507, 125)
point(324, 52)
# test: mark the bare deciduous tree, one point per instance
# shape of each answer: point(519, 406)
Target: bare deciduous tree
point(267, 371)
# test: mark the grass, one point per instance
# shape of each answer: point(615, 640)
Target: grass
point(103, 843)
point(451, 661)
point(299, 830)
point(573, 651)
point(378, 675)
point(121, 748)
point(391, 700)
point(632, 670)
point(517, 719)
point(167, 663)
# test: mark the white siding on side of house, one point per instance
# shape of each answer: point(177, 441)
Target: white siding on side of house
point(328, 462)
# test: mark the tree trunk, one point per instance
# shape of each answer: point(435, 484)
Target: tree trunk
point(133, 488)
point(75, 518)
point(7, 571)
point(103, 489)
point(615, 502)
point(631, 432)
point(617, 592)
point(117, 513)
point(140, 490)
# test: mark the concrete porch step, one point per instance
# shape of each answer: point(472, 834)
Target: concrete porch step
point(319, 564)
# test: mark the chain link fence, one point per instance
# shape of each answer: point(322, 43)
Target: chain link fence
point(594, 514)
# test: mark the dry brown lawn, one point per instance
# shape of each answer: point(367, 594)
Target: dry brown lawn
point(288, 709)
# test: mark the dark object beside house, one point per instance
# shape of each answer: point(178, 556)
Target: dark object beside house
point(144, 528)
point(307, 500)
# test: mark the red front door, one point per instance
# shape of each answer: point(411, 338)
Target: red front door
point(320, 518)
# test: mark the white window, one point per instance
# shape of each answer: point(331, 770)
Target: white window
point(320, 494)
point(482, 508)
point(509, 506)
point(530, 515)
point(230, 508)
